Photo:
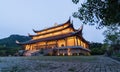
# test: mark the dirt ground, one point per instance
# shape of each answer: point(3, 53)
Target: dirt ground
point(59, 64)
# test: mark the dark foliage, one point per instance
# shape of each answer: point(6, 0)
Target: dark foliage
point(4, 51)
point(99, 12)
point(8, 45)
point(10, 41)
point(97, 49)
point(102, 13)
point(75, 1)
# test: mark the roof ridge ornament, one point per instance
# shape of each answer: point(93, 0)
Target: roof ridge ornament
point(29, 34)
point(70, 19)
point(33, 30)
point(55, 24)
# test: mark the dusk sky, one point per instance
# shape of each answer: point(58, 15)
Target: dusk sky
point(21, 16)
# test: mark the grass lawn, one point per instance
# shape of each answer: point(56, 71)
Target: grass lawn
point(63, 58)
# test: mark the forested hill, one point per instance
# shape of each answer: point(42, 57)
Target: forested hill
point(10, 42)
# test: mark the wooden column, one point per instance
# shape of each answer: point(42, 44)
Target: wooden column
point(74, 41)
point(58, 52)
point(30, 47)
point(69, 51)
point(65, 41)
point(80, 43)
point(56, 44)
point(87, 45)
point(36, 46)
point(46, 45)
point(26, 47)
point(77, 40)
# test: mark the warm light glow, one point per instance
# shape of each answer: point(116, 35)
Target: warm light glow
point(53, 34)
point(61, 43)
point(69, 53)
point(53, 29)
point(67, 30)
point(70, 41)
point(58, 54)
point(53, 44)
point(26, 47)
point(41, 43)
point(63, 54)
point(82, 44)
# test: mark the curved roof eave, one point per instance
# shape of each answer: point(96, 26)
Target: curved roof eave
point(68, 22)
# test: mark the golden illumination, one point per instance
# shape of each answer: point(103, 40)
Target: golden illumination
point(69, 53)
point(61, 43)
point(67, 40)
point(68, 30)
point(54, 29)
point(63, 54)
point(70, 41)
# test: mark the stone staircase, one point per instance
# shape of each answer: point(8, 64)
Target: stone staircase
point(31, 53)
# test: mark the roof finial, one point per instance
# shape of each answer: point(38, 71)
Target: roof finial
point(33, 30)
point(55, 24)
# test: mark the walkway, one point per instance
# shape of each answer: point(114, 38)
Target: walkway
point(17, 64)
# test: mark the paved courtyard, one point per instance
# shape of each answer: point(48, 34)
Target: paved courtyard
point(97, 64)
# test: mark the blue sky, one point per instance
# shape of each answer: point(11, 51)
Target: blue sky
point(21, 16)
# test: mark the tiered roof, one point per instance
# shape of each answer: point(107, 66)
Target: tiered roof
point(66, 23)
point(70, 25)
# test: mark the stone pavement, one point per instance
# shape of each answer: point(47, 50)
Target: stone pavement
point(104, 64)
point(101, 64)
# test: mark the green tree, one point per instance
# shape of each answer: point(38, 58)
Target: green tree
point(99, 12)
point(97, 49)
point(102, 13)
point(112, 35)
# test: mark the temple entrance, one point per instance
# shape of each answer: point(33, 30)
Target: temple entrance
point(55, 52)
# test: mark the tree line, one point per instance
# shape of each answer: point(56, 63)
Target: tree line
point(102, 13)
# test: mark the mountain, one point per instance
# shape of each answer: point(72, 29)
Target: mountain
point(10, 41)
